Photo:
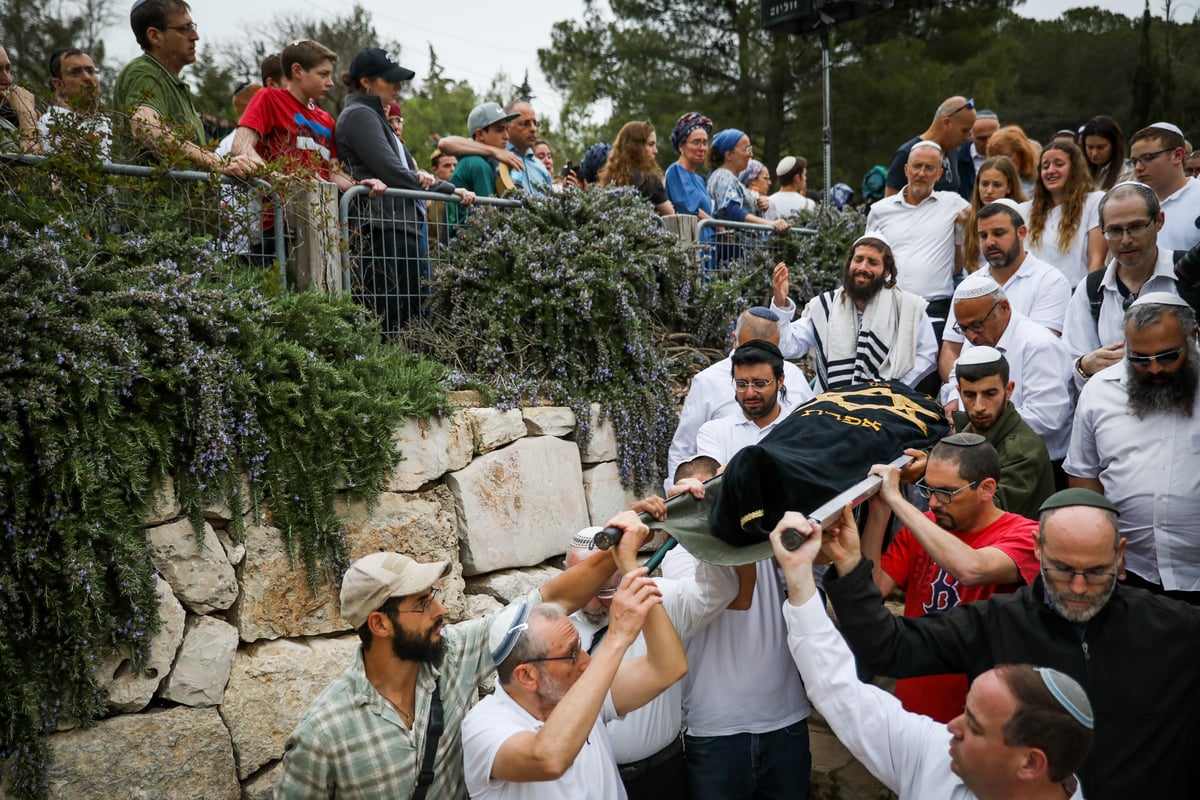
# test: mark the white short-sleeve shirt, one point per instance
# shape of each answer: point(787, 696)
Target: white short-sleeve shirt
point(1072, 262)
point(1181, 217)
point(924, 239)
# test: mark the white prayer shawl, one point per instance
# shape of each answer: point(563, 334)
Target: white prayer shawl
point(883, 348)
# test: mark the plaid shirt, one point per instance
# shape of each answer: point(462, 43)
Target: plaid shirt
point(352, 745)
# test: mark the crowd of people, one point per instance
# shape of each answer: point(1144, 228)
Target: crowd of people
point(1047, 550)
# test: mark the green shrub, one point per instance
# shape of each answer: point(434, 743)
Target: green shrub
point(130, 357)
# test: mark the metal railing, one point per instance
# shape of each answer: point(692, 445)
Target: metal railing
point(225, 208)
point(394, 243)
point(725, 246)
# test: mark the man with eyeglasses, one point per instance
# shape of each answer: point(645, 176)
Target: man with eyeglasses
point(924, 228)
point(1094, 330)
point(951, 127)
point(373, 733)
point(1038, 361)
point(164, 124)
point(710, 395)
point(542, 734)
point(1157, 153)
point(962, 550)
point(75, 112)
point(758, 387)
point(1136, 440)
point(522, 134)
point(1134, 652)
point(1036, 289)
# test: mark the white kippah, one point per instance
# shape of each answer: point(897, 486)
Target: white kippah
point(1129, 183)
point(1159, 299)
point(1008, 202)
point(975, 286)
point(586, 538)
point(925, 143)
point(871, 235)
point(1167, 126)
point(506, 628)
point(979, 355)
point(785, 166)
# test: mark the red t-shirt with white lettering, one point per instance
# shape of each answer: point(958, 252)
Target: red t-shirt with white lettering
point(299, 136)
point(929, 589)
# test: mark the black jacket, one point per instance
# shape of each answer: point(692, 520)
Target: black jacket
point(1139, 660)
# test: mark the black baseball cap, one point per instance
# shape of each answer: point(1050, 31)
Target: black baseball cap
point(376, 63)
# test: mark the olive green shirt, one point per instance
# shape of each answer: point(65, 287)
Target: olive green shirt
point(145, 82)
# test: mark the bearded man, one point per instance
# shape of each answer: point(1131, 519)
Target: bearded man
point(1135, 441)
point(868, 329)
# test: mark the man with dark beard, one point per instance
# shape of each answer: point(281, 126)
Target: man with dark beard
point(964, 549)
point(868, 329)
point(391, 725)
point(1137, 428)
point(1134, 652)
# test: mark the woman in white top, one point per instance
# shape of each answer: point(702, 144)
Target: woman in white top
point(1064, 215)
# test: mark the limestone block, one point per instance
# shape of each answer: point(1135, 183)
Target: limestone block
point(164, 505)
point(549, 420)
point(197, 568)
point(509, 585)
point(520, 505)
point(202, 665)
point(276, 600)
point(270, 685)
point(234, 551)
point(466, 398)
point(480, 605)
point(494, 428)
point(605, 495)
point(129, 690)
point(262, 785)
point(431, 448)
point(419, 524)
point(174, 753)
point(602, 446)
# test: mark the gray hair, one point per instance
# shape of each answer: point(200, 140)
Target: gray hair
point(1141, 316)
point(1129, 189)
point(531, 644)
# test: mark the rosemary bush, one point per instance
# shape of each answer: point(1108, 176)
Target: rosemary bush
point(128, 357)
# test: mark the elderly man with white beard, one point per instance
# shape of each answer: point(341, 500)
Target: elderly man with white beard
point(1135, 440)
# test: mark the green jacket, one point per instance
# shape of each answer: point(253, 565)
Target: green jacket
point(1026, 478)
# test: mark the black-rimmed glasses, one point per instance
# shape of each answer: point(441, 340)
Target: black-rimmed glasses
point(1097, 576)
point(1116, 233)
point(571, 656)
point(423, 604)
point(977, 325)
point(943, 496)
point(1146, 158)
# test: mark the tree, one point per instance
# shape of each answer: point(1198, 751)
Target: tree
point(32, 31)
point(438, 108)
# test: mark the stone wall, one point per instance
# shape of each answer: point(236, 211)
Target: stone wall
point(246, 643)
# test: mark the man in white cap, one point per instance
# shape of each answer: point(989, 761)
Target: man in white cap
point(1136, 440)
point(791, 198)
point(1037, 359)
point(390, 726)
point(1026, 730)
point(1132, 222)
point(1157, 153)
point(985, 393)
point(924, 230)
point(868, 329)
point(1036, 289)
point(542, 734)
point(647, 742)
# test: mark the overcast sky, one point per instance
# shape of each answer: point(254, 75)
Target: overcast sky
point(473, 38)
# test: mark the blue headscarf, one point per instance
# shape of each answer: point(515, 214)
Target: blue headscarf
point(726, 140)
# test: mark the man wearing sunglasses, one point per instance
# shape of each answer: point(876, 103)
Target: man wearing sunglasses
point(1094, 331)
point(962, 550)
point(951, 127)
point(1157, 154)
point(390, 726)
point(542, 734)
point(1134, 652)
point(1038, 361)
point(1137, 441)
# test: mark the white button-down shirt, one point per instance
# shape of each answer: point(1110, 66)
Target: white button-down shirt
point(1150, 468)
point(1181, 212)
point(1082, 334)
point(1040, 366)
point(924, 239)
point(711, 397)
point(721, 438)
point(1036, 289)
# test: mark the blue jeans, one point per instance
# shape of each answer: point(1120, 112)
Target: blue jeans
point(751, 766)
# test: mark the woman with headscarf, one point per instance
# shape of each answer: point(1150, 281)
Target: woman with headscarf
point(730, 154)
point(757, 178)
point(632, 163)
point(685, 187)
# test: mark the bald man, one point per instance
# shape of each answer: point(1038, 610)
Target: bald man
point(950, 128)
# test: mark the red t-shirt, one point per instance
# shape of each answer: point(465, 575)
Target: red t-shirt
point(291, 132)
point(929, 589)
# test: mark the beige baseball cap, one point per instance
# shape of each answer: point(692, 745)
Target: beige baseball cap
point(374, 578)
